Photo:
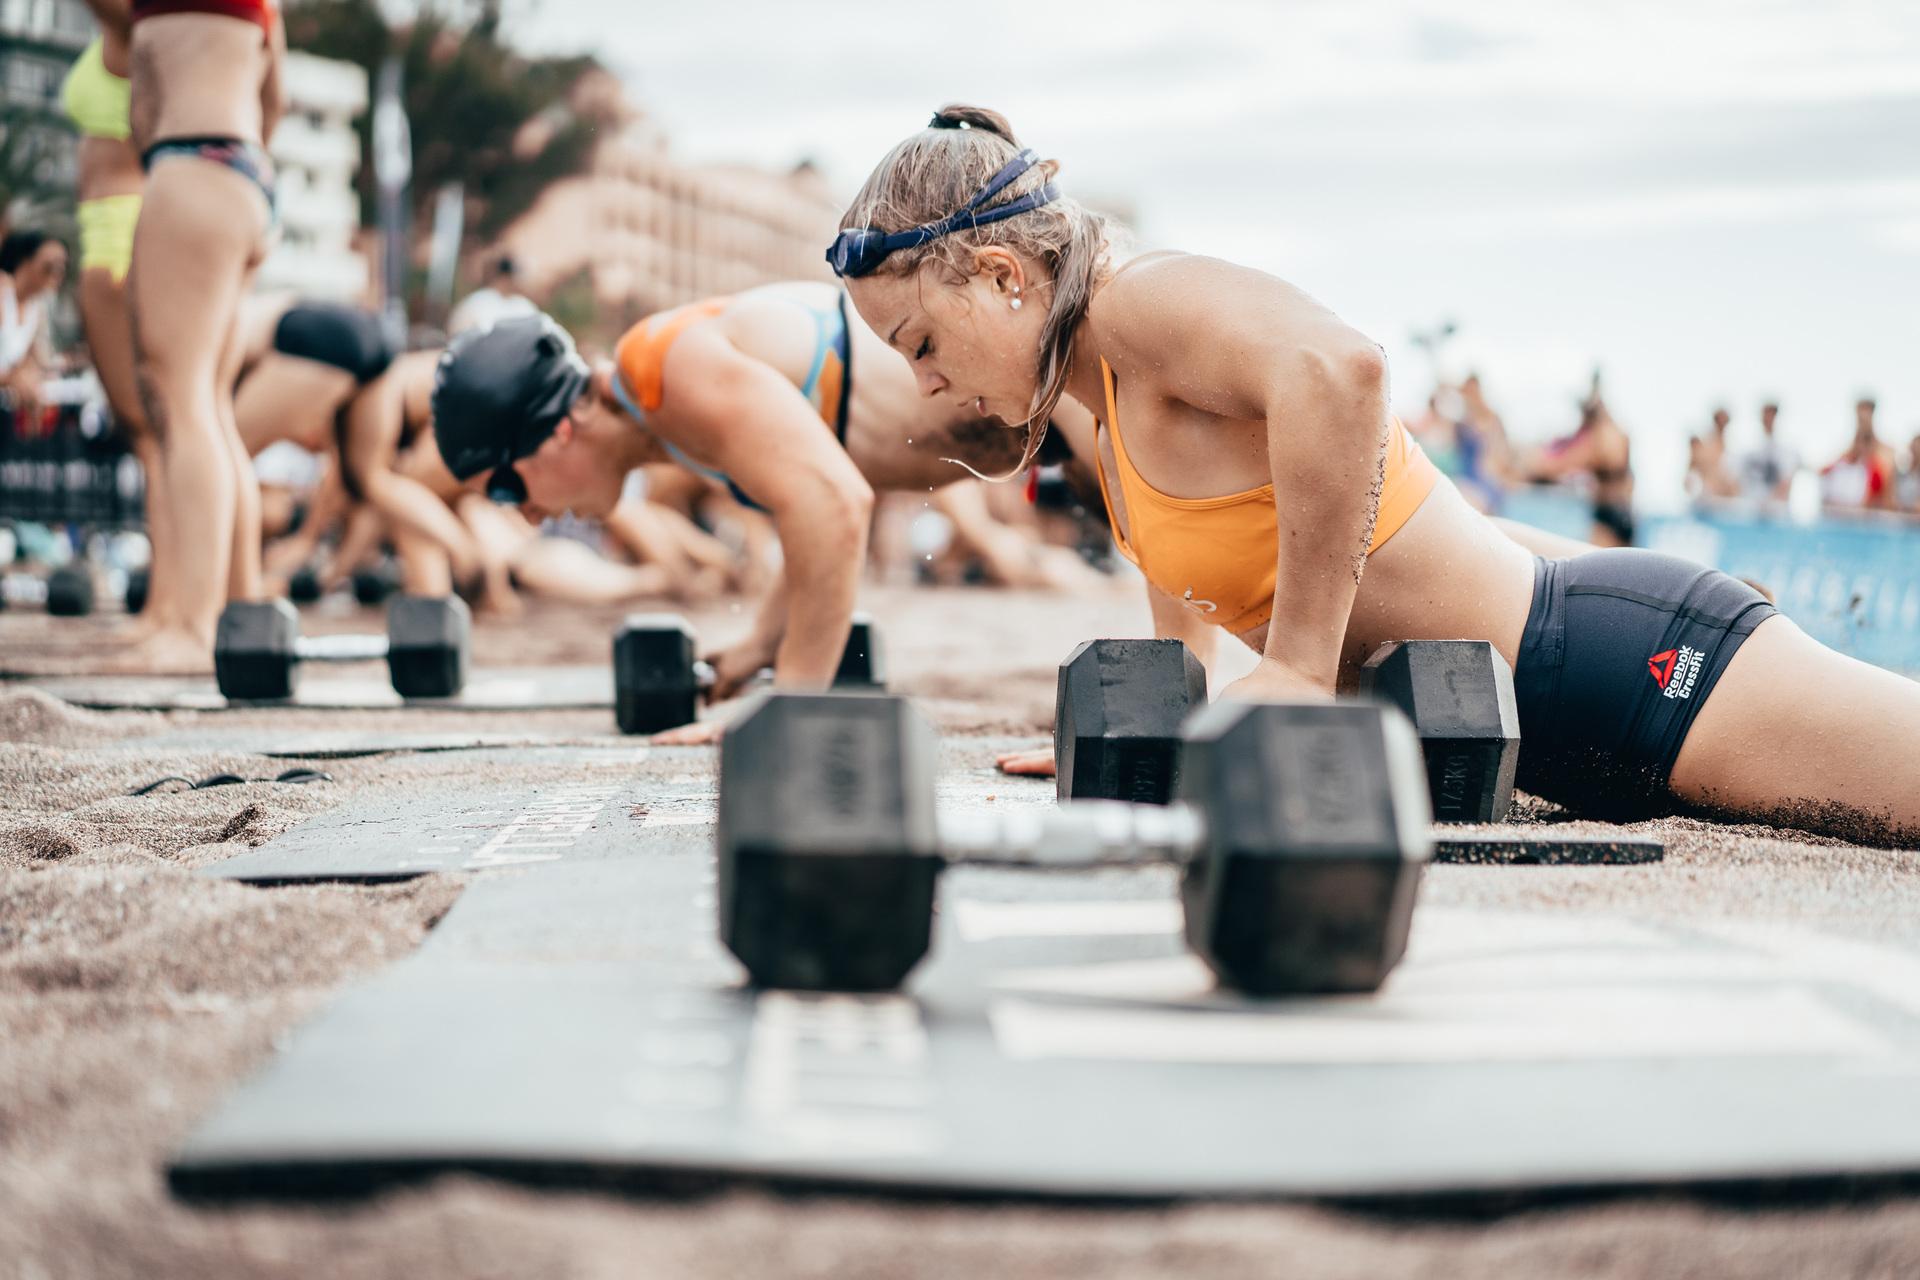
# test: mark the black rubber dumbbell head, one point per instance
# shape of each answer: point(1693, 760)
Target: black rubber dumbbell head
point(862, 663)
point(255, 650)
point(372, 585)
point(1316, 832)
point(139, 582)
point(655, 680)
point(1117, 714)
point(428, 641)
point(304, 586)
point(828, 856)
point(1459, 695)
point(70, 591)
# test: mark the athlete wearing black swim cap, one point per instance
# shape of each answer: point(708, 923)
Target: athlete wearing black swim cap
point(777, 393)
point(499, 393)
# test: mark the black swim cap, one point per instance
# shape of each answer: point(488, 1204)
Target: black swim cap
point(500, 392)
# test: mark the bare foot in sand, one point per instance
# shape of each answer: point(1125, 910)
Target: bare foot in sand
point(166, 652)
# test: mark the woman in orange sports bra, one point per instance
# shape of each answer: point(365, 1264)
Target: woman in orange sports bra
point(1253, 472)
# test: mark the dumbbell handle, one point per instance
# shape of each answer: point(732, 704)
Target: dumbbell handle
point(1085, 833)
point(340, 648)
point(705, 677)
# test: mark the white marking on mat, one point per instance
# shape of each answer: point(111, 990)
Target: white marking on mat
point(1888, 972)
point(839, 1076)
point(982, 921)
point(1544, 1026)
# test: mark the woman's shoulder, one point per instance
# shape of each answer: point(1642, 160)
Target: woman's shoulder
point(1147, 294)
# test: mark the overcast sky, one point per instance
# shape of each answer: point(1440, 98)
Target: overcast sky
point(1715, 201)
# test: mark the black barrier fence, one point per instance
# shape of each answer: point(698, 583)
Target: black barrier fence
point(64, 466)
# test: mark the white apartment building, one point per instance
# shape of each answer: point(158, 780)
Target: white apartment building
point(316, 154)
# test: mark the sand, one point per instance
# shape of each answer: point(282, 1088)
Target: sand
point(134, 995)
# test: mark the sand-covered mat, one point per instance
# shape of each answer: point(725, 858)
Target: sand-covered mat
point(137, 993)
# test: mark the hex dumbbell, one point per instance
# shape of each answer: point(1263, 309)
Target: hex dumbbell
point(1459, 695)
point(1117, 712)
point(303, 587)
point(658, 677)
point(374, 583)
point(139, 582)
point(1299, 829)
point(258, 648)
point(70, 590)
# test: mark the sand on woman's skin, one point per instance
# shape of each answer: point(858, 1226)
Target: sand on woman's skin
point(134, 995)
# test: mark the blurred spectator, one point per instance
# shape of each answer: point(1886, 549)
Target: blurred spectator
point(499, 298)
point(1599, 451)
point(1863, 475)
point(1767, 470)
point(32, 265)
point(1467, 440)
point(1908, 492)
point(1709, 474)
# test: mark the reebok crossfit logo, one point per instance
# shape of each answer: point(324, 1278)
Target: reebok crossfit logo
point(1676, 670)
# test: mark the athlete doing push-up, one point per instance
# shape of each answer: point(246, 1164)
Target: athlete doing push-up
point(1253, 472)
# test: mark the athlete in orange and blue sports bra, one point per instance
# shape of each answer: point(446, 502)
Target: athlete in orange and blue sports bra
point(639, 377)
point(1253, 472)
point(774, 392)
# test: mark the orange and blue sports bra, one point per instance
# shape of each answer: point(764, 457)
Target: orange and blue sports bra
point(641, 356)
point(1220, 556)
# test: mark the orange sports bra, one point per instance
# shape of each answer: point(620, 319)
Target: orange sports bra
point(1218, 556)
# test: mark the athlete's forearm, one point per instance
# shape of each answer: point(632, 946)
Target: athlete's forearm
point(825, 552)
point(1325, 447)
point(411, 505)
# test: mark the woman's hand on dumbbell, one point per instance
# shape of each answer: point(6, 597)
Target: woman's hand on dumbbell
point(735, 667)
point(1273, 681)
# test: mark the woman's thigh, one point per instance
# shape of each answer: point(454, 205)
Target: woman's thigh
point(1799, 735)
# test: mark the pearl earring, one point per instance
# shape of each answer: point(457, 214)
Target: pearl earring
point(1016, 298)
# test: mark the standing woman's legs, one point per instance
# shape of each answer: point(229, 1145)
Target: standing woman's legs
point(208, 82)
point(244, 574)
point(201, 230)
point(108, 188)
point(1797, 735)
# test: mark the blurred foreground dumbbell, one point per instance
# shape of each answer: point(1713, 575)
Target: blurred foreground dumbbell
point(1300, 831)
point(1117, 712)
point(1459, 695)
point(258, 648)
point(658, 677)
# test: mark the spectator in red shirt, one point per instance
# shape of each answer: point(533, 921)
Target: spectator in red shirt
point(1863, 475)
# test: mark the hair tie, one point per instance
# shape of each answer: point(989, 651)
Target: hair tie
point(941, 120)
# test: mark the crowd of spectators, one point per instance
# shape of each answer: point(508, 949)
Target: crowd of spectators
point(1469, 441)
point(1868, 475)
point(1459, 429)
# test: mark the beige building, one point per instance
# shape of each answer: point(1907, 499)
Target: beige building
point(651, 231)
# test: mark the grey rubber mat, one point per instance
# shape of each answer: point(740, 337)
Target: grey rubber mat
point(341, 689)
point(574, 1021)
point(400, 836)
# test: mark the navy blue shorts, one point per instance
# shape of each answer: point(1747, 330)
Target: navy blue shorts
point(1621, 649)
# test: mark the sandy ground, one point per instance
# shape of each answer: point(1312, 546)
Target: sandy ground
point(133, 995)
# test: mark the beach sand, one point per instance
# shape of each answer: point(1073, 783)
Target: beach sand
point(134, 995)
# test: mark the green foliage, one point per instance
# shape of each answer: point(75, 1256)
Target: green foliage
point(468, 96)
